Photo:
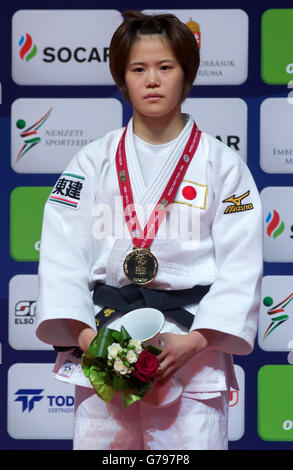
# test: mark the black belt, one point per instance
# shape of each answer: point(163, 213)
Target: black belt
point(120, 300)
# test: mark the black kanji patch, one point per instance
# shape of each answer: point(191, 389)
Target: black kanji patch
point(67, 191)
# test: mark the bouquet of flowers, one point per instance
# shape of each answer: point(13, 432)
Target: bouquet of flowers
point(116, 362)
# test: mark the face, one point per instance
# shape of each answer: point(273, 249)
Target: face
point(154, 77)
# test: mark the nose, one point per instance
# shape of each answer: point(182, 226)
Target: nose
point(152, 79)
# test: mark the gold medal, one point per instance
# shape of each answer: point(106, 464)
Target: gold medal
point(140, 266)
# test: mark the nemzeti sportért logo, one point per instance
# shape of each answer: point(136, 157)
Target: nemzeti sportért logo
point(29, 135)
point(277, 313)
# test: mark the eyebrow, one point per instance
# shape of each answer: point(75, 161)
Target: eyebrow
point(159, 62)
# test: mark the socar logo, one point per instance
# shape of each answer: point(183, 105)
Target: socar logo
point(274, 226)
point(27, 50)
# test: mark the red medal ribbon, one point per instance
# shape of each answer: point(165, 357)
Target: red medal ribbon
point(146, 236)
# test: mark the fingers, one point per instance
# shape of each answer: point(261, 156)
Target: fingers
point(162, 355)
point(164, 339)
point(165, 369)
point(166, 359)
point(166, 344)
point(165, 375)
point(164, 363)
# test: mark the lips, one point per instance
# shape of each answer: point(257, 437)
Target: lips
point(153, 96)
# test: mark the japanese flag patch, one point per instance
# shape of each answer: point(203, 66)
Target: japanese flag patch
point(68, 189)
point(191, 193)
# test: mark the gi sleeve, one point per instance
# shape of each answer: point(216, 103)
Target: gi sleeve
point(232, 304)
point(66, 254)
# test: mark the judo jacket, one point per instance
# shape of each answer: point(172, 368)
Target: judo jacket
point(211, 235)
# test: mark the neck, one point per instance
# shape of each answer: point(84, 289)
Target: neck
point(158, 130)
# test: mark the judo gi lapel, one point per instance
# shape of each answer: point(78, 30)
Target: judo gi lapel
point(146, 197)
point(136, 178)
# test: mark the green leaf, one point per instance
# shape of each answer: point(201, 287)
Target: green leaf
point(128, 397)
point(118, 382)
point(125, 336)
point(88, 361)
point(99, 381)
point(117, 336)
point(153, 349)
point(99, 345)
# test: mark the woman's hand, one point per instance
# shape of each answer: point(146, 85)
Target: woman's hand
point(82, 333)
point(85, 338)
point(178, 350)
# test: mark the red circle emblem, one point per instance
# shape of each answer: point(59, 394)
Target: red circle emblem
point(188, 192)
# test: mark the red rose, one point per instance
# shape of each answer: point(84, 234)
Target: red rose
point(145, 366)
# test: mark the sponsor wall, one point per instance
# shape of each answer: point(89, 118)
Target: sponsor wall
point(58, 95)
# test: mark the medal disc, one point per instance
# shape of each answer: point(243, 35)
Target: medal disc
point(140, 266)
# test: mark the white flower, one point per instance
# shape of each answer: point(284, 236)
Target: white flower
point(120, 368)
point(137, 345)
point(131, 356)
point(113, 350)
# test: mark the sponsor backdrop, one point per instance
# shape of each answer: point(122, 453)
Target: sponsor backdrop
point(56, 96)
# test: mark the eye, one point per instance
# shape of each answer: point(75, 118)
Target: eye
point(138, 69)
point(165, 67)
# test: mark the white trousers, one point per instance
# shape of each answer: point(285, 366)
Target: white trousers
point(187, 424)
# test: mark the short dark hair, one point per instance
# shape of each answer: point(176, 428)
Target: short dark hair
point(178, 35)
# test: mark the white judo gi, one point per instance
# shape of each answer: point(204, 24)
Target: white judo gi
point(212, 234)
